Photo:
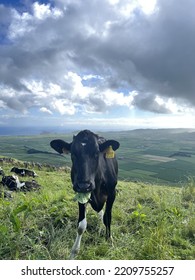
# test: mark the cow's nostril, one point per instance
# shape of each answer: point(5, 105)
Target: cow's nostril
point(83, 187)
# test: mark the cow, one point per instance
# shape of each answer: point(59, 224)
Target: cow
point(2, 172)
point(23, 172)
point(94, 175)
point(12, 182)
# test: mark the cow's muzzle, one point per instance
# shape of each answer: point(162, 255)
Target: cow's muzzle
point(83, 187)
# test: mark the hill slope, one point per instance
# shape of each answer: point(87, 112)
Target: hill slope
point(149, 222)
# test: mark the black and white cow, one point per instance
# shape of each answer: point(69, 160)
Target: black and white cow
point(23, 172)
point(12, 182)
point(94, 171)
point(2, 172)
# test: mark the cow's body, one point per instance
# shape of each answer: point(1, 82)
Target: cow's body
point(12, 182)
point(23, 172)
point(93, 171)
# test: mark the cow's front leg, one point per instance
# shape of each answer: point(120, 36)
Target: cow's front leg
point(108, 214)
point(82, 225)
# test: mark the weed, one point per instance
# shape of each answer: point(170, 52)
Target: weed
point(188, 190)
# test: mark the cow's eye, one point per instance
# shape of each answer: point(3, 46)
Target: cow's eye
point(96, 155)
point(74, 156)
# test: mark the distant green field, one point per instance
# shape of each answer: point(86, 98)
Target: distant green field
point(134, 155)
point(136, 145)
point(18, 147)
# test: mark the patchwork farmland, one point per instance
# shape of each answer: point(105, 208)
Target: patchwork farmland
point(158, 156)
point(164, 156)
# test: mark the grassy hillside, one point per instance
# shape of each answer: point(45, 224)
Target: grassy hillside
point(149, 222)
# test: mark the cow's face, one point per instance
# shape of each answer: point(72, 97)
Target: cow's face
point(85, 154)
point(85, 159)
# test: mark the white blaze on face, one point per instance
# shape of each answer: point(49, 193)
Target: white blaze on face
point(83, 144)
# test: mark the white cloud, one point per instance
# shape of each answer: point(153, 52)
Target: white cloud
point(42, 90)
point(63, 106)
point(45, 110)
point(174, 107)
point(43, 11)
point(78, 90)
point(20, 25)
point(148, 7)
point(128, 8)
point(113, 98)
point(91, 76)
point(26, 22)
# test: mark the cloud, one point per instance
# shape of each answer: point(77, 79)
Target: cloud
point(147, 102)
point(25, 23)
point(45, 110)
point(157, 52)
point(84, 57)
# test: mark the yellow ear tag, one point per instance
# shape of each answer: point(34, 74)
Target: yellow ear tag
point(109, 152)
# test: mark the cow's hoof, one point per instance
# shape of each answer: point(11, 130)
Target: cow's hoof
point(73, 254)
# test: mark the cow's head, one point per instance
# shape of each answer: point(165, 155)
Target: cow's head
point(86, 149)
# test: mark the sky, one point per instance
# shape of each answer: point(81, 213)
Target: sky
point(102, 64)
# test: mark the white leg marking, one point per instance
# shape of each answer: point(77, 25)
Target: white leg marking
point(101, 215)
point(101, 226)
point(81, 229)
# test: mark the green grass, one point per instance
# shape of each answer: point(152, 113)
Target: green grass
point(149, 222)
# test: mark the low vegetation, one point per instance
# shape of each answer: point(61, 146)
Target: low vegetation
point(149, 222)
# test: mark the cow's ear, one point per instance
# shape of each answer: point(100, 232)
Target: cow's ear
point(113, 143)
point(60, 146)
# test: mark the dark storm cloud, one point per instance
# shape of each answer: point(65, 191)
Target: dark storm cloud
point(166, 57)
point(147, 101)
point(146, 53)
point(5, 15)
point(155, 53)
